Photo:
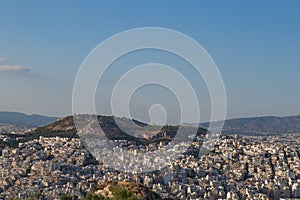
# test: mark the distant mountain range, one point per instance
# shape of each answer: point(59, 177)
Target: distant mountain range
point(261, 125)
point(249, 125)
point(21, 119)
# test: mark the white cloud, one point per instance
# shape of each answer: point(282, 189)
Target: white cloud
point(2, 59)
point(13, 68)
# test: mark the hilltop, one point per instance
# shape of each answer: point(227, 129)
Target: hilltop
point(65, 127)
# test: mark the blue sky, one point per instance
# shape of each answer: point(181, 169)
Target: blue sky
point(255, 44)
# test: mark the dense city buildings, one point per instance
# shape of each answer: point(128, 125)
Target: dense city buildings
point(236, 168)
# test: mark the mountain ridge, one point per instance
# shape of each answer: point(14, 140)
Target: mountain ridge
point(18, 118)
point(264, 124)
point(255, 125)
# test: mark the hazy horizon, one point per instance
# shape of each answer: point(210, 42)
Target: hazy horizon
point(242, 117)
